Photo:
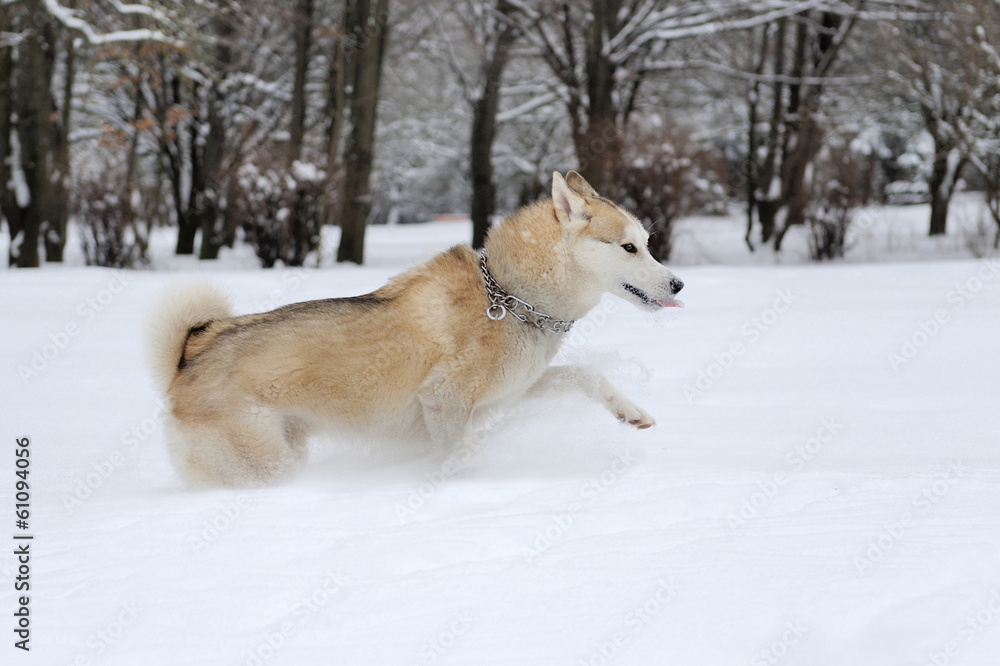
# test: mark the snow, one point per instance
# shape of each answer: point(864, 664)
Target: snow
point(821, 487)
point(307, 172)
point(879, 233)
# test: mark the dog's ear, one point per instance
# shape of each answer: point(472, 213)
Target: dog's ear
point(579, 185)
point(571, 209)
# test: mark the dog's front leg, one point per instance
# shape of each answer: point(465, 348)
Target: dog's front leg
point(446, 409)
point(596, 386)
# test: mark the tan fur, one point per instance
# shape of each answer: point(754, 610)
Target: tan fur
point(413, 359)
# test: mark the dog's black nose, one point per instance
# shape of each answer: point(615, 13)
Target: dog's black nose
point(676, 285)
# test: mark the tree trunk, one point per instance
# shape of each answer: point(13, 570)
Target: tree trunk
point(36, 64)
point(303, 23)
point(944, 176)
point(599, 146)
point(186, 233)
point(336, 76)
point(208, 202)
point(752, 172)
point(795, 149)
point(188, 226)
point(939, 213)
point(751, 163)
point(814, 54)
point(9, 209)
point(131, 169)
point(370, 30)
point(795, 194)
point(172, 153)
point(484, 191)
point(992, 176)
point(55, 235)
point(484, 124)
point(767, 211)
point(768, 205)
point(599, 151)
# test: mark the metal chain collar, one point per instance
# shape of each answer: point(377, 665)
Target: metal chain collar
point(501, 303)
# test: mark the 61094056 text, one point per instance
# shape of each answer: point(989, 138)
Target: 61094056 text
point(22, 544)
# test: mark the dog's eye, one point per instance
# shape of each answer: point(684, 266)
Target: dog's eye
point(628, 247)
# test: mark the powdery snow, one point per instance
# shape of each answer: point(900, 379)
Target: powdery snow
point(822, 487)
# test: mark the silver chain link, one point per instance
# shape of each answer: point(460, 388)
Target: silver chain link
point(501, 303)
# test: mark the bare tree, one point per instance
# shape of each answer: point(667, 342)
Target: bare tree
point(55, 232)
point(217, 165)
point(986, 156)
point(497, 34)
point(802, 51)
point(182, 97)
point(941, 62)
point(302, 22)
point(9, 208)
point(601, 53)
point(36, 66)
point(42, 33)
point(214, 102)
point(368, 27)
point(334, 109)
point(576, 43)
point(176, 137)
point(491, 31)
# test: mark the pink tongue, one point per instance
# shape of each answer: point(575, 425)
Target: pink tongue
point(671, 304)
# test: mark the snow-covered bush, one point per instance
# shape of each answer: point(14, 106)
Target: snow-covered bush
point(992, 182)
point(837, 185)
point(828, 217)
point(108, 228)
point(279, 212)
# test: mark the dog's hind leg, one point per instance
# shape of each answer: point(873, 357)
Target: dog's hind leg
point(595, 386)
point(253, 448)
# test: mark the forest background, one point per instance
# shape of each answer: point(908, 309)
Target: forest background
point(259, 122)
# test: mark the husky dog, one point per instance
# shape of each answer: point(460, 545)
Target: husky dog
point(416, 358)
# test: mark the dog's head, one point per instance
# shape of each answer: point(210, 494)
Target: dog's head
point(610, 245)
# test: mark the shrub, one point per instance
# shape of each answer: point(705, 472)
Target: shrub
point(279, 213)
point(836, 189)
point(108, 228)
point(828, 217)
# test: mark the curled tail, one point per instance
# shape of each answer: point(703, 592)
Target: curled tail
point(173, 317)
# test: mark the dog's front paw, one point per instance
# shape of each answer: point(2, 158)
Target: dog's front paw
point(627, 412)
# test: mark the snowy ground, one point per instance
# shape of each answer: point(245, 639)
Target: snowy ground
point(821, 490)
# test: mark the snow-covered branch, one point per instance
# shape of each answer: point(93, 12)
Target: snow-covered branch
point(675, 65)
point(71, 21)
point(141, 10)
point(527, 107)
point(707, 23)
